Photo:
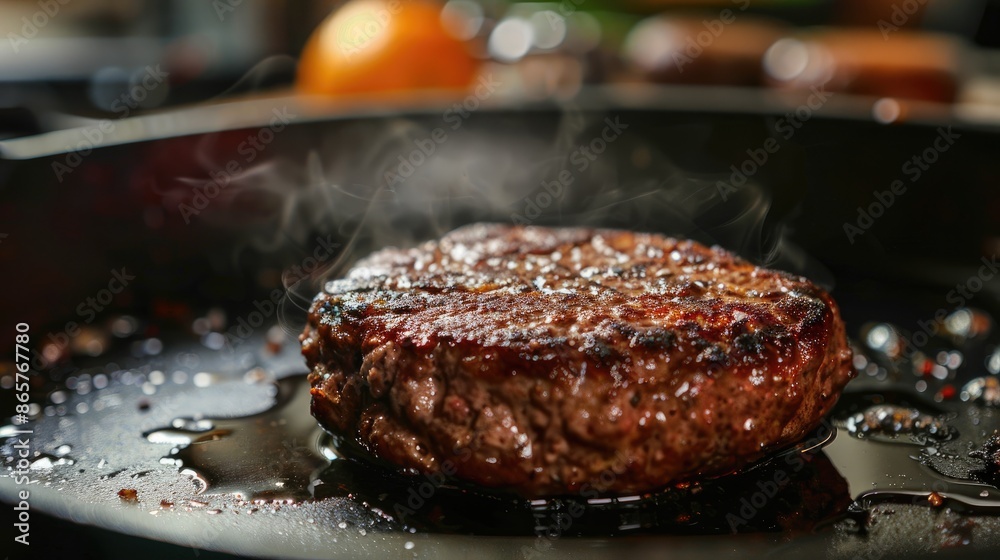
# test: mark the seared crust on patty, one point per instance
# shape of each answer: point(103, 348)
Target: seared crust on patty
point(548, 361)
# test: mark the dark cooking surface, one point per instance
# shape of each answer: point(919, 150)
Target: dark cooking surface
point(320, 180)
point(262, 482)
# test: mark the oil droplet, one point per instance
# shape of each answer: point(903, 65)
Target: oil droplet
point(890, 421)
point(928, 476)
point(202, 379)
point(258, 375)
point(275, 339)
point(9, 430)
point(195, 477)
point(983, 390)
point(271, 456)
point(990, 456)
point(152, 346)
point(408, 545)
point(185, 431)
point(44, 462)
point(124, 326)
point(213, 341)
point(883, 338)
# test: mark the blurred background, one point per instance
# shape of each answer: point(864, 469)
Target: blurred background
point(211, 143)
point(166, 167)
point(64, 59)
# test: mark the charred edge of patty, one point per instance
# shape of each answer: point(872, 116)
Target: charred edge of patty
point(357, 396)
point(354, 409)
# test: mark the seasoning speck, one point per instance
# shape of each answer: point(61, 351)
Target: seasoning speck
point(935, 499)
point(128, 495)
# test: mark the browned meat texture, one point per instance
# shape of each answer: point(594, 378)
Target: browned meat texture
point(555, 361)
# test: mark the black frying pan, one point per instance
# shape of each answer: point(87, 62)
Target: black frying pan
point(206, 219)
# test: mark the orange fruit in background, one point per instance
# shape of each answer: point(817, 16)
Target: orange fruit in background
point(382, 46)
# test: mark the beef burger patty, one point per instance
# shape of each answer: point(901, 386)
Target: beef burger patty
point(551, 361)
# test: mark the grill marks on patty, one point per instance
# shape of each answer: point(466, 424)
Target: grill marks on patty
point(533, 358)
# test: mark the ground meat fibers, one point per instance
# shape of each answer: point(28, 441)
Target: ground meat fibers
point(546, 361)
